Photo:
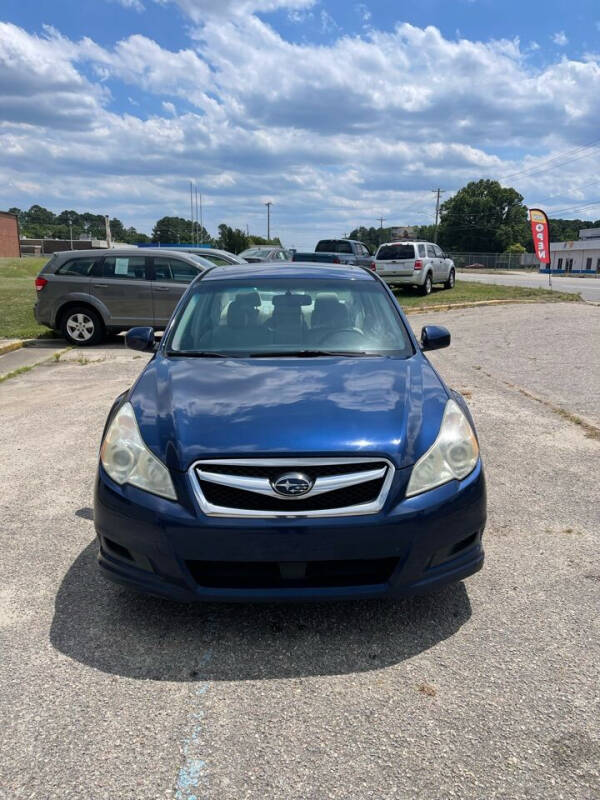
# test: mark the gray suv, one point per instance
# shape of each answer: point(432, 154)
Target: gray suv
point(87, 294)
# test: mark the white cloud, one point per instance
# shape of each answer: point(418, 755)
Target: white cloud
point(328, 24)
point(363, 12)
point(201, 11)
point(135, 5)
point(251, 114)
point(560, 38)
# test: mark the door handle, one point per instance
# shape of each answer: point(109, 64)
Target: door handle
point(162, 288)
point(100, 285)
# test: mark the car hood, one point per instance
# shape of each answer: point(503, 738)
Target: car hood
point(191, 408)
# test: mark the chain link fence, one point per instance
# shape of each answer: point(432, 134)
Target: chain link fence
point(495, 260)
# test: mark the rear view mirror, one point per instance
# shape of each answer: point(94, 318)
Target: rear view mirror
point(434, 337)
point(140, 339)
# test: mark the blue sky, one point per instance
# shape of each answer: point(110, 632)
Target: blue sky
point(337, 112)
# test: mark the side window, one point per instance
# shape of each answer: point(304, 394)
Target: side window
point(77, 266)
point(438, 251)
point(217, 260)
point(430, 251)
point(129, 267)
point(421, 251)
point(281, 255)
point(171, 269)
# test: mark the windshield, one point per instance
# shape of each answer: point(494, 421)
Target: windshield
point(256, 251)
point(204, 260)
point(295, 316)
point(398, 252)
point(333, 246)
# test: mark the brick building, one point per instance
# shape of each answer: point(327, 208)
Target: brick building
point(9, 235)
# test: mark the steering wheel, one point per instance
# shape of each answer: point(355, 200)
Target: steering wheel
point(357, 334)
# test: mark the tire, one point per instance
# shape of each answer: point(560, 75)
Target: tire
point(81, 326)
point(425, 289)
point(449, 284)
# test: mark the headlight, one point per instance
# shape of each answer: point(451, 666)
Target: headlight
point(127, 459)
point(453, 455)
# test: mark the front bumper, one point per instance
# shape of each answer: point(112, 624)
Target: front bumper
point(165, 548)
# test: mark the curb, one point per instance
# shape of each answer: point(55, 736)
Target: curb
point(10, 346)
point(474, 304)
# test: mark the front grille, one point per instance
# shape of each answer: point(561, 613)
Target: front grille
point(238, 498)
point(297, 574)
point(246, 487)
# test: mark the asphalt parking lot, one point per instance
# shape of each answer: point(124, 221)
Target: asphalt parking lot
point(487, 689)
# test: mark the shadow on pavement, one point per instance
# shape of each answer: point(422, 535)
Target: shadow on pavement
point(136, 636)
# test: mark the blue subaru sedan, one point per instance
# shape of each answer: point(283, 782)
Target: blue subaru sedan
point(289, 440)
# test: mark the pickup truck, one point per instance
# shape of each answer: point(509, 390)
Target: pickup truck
point(339, 251)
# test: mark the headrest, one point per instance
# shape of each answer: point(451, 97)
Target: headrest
point(291, 300)
point(247, 299)
point(325, 299)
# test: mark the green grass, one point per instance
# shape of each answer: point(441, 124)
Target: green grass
point(468, 292)
point(17, 296)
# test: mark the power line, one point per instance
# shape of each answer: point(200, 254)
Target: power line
point(544, 165)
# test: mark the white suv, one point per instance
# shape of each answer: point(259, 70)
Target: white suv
point(418, 264)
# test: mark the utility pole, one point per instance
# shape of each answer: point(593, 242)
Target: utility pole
point(268, 205)
point(197, 225)
point(437, 192)
point(381, 221)
point(71, 231)
point(201, 222)
point(192, 209)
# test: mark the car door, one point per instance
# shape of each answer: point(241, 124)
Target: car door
point(433, 261)
point(170, 278)
point(122, 285)
point(443, 264)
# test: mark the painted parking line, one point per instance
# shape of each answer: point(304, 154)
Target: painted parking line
point(193, 772)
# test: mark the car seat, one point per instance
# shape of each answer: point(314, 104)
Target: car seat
point(287, 321)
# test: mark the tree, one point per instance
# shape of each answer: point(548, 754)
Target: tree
point(232, 239)
point(483, 217)
point(515, 248)
point(172, 230)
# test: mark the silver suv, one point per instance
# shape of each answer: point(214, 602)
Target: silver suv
point(419, 264)
point(87, 294)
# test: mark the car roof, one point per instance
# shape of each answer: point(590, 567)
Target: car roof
point(288, 269)
point(405, 241)
point(121, 251)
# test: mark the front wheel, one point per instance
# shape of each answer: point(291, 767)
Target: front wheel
point(425, 289)
point(82, 326)
point(449, 284)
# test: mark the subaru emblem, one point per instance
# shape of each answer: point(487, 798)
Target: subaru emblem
point(292, 484)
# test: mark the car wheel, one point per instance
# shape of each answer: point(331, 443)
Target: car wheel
point(449, 284)
point(426, 287)
point(82, 326)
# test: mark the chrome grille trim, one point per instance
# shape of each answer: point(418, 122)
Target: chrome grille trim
point(200, 470)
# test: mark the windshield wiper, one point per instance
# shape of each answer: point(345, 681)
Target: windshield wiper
point(199, 354)
point(309, 353)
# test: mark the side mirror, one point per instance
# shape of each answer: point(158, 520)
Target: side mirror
point(434, 337)
point(140, 339)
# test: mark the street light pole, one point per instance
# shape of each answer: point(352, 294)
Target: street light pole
point(268, 205)
point(71, 231)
